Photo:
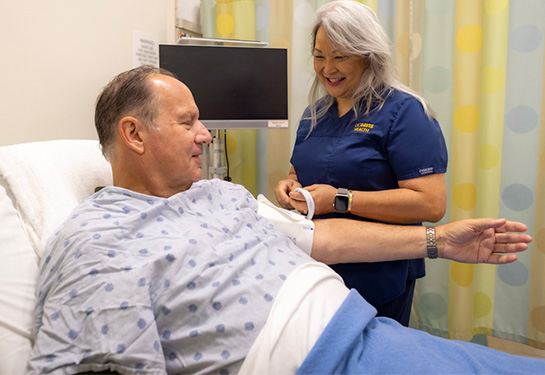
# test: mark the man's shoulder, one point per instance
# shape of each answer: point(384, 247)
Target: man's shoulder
point(219, 185)
point(221, 195)
point(92, 208)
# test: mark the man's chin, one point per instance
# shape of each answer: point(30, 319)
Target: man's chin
point(198, 175)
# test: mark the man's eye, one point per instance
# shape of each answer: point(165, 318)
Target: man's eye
point(185, 124)
point(318, 57)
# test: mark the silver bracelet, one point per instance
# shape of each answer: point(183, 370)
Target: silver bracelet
point(431, 244)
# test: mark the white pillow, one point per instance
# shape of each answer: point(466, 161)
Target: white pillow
point(40, 184)
point(48, 179)
point(18, 273)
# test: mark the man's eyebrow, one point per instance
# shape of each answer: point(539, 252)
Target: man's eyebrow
point(187, 116)
point(184, 115)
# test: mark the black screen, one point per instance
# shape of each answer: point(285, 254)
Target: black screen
point(232, 83)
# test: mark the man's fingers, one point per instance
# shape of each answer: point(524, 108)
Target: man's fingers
point(502, 259)
point(506, 238)
point(510, 248)
point(500, 225)
point(513, 226)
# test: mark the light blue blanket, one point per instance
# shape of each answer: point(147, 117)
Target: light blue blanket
point(357, 342)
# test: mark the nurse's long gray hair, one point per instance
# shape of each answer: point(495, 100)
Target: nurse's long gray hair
point(354, 29)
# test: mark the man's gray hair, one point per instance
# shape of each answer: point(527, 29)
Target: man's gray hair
point(127, 94)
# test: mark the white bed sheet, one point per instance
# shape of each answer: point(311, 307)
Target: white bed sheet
point(302, 309)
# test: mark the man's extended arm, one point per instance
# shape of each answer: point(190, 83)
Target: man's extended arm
point(469, 241)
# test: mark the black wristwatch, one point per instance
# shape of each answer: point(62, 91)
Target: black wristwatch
point(341, 201)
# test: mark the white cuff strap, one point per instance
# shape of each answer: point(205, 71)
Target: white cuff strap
point(310, 202)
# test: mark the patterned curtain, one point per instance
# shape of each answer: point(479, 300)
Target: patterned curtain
point(481, 68)
point(480, 65)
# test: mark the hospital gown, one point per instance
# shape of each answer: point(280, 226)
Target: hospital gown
point(145, 285)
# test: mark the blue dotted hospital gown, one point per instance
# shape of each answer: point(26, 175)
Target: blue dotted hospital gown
point(146, 285)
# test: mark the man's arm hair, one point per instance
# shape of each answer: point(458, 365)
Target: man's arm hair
point(469, 241)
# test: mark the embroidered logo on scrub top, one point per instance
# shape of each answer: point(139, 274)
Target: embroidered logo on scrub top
point(363, 127)
point(425, 171)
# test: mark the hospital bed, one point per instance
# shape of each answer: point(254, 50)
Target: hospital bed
point(40, 184)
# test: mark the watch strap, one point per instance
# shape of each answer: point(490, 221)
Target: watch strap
point(342, 191)
point(342, 194)
point(431, 243)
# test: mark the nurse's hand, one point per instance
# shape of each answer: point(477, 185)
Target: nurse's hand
point(285, 187)
point(323, 196)
point(282, 191)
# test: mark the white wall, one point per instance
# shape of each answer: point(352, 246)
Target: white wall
point(189, 10)
point(56, 55)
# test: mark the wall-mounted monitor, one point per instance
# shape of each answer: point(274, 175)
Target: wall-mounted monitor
point(234, 87)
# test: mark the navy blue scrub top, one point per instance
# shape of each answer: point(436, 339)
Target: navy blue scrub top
point(372, 153)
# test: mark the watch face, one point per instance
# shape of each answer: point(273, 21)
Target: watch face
point(341, 203)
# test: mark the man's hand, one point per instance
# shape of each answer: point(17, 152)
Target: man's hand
point(482, 240)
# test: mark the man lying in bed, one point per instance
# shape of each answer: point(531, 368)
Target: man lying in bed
point(167, 273)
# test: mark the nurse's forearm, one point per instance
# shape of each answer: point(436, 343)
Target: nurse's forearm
point(399, 206)
point(416, 200)
point(292, 175)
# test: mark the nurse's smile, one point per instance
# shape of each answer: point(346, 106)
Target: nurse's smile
point(337, 71)
point(334, 81)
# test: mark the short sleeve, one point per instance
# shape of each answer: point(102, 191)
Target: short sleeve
point(416, 146)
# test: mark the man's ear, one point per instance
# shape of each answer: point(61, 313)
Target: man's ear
point(130, 129)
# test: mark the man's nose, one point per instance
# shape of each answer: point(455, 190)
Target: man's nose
point(203, 134)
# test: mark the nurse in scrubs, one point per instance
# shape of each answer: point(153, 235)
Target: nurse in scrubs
point(367, 148)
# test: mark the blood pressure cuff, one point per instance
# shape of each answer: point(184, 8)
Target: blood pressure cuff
point(294, 225)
